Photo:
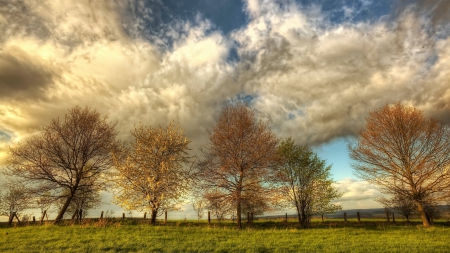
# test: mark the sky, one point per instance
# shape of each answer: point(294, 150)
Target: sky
point(311, 69)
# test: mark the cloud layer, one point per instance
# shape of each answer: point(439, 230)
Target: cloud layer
point(311, 78)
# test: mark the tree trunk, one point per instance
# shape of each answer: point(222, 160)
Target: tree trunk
point(63, 209)
point(423, 215)
point(238, 208)
point(238, 211)
point(299, 215)
point(303, 219)
point(11, 217)
point(75, 214)
point(153, 218)
point(43, 216)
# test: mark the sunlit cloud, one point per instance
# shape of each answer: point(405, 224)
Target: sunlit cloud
point(357, 194)
point(310, 78)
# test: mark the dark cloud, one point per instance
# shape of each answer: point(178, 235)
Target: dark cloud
point(21, 19)
point(290, 59)
point(20, 78)
point(437, 11)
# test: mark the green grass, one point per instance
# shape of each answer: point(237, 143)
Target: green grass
point(264, 236)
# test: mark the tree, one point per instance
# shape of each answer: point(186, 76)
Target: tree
point(199, 205)
point(406, 154)
point(257, 201)
point(150, 175)
point(43, 202)
point(238, 156)
point(69, 156)
point(305, 181)
point(81, 203)
point(405, 206)
point(14, 200)
point(218, 203)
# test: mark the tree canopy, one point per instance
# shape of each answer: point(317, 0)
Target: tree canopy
point(238, 157)
point(305, 181)
point(151, 174)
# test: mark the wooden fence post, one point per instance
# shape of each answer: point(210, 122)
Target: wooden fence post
point(34, 219)
point(43, 215)
point(17, 217)
point(165, 217)
point(359, 217)
point(101, 216)
point(209, 217)
point(285, 217)
point(345, 217)
point(145, 215)
point(123, 216)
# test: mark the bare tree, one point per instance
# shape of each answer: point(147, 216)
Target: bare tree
point(14, 200)
point(405, 153)
point(44, 201)
point(305, 181)
point(199, 206)
point(238, 156)
point(258, 200)
point(218, 203)
point(69, 156)
point(81, 203)
point(151, 174)
point(405, 206)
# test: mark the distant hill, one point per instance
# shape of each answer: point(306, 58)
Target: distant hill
point(364, 213)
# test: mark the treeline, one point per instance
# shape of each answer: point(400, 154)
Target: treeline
point(243, 168)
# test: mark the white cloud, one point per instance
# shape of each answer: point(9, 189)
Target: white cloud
point(357, 194)
point(312, 80)
point(334, 73)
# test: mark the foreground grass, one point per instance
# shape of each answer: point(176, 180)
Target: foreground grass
point(195, 237)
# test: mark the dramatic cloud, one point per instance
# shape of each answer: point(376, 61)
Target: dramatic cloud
point(20, 78)
point(316, 80)
point(311, 78)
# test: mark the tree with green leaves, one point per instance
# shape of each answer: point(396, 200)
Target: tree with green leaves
point(151, 174)
point(305, 181)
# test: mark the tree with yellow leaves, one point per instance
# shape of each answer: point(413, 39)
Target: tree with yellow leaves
point(151, 174)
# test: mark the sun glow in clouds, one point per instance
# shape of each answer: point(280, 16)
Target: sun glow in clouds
point(311, 78)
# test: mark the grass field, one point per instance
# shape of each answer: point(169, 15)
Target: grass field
point(263, 236)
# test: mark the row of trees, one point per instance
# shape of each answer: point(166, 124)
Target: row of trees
point(244, 168)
